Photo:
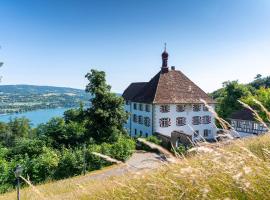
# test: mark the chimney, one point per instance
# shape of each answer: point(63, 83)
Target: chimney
point(173, 68)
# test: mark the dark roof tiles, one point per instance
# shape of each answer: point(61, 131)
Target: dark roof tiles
point(243, 114)
point(132, 90)
point(170, 87)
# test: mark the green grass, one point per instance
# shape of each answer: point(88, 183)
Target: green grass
point(240, 170)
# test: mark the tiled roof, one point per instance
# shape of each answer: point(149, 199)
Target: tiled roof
point(132, 90)
point(170, 87)
point(243, 114)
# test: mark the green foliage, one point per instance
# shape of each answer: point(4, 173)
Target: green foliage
point(261, 82)
point(70, 164)
point(263, 96)
point(54, 150)
point(106, 116)
point(181, 149)
point(123, 148)
point(44, 166)
point(154, 139)
point(227, 101)
point(58, 133)
point(31, 147)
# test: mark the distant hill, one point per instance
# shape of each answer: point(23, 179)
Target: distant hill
point(34, 89)
point(21, 98)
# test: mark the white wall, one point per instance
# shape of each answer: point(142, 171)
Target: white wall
point(139, 127)
point(188, 113)
point(127, 124)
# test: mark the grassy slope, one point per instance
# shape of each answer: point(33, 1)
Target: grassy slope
point(240, 170)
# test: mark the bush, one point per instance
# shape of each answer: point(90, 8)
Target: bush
point(123, 148)
point(42, 167)
point(70, 163)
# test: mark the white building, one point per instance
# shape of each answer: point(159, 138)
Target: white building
point(170, 106)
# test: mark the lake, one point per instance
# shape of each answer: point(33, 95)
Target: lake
point(37, 116)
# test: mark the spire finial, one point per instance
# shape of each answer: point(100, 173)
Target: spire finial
point(164, 57)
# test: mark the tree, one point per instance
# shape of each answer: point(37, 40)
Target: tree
point(106, 116)
point(232, 92)
point(263, 96)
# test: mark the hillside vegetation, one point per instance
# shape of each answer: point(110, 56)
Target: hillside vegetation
point(21, 98)
point(63, 146)
point(227, 97)
point(240, 170)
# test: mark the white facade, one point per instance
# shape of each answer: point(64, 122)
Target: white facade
point(205, 128)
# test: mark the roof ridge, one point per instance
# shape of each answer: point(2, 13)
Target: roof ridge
point(156, 88)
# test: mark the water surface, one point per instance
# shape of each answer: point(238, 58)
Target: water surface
point(37, 116)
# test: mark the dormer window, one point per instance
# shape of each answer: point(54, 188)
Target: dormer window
point(196, 107)
point(164, 108)
point(180, 108)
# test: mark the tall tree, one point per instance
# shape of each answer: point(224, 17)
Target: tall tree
point(106, 116)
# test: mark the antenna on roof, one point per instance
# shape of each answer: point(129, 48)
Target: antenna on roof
point(165, 45)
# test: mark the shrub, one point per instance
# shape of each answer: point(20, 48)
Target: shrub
point(123, 148)
point(70, 163)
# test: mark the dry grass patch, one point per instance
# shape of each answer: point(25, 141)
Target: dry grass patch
point(240, 170)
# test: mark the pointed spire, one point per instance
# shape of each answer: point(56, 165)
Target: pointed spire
point(164, 56)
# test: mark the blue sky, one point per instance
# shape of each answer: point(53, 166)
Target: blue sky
point(56, 42)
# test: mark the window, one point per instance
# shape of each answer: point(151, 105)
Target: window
point(196, 107)
point(135, 131)
point(205, 108)
point(238, 124)
point(127, 102)
point(165, 122)
point(135, 119)
point(147, 121)
point(180, 108)
point(135, 106)
point(140, 119)
point(206, 119)
point(196, 120)
point(180, 121)
point(146, 134)
point(196, 133)
point(147, 108)
point(141, 107)
point(140, 133)
point(164, 108)
point(206, 132)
